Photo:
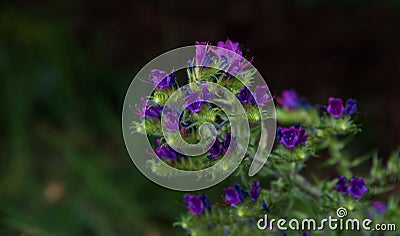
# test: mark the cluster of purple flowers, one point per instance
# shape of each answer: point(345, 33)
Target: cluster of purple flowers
point(357, 187)
point(228, 52)
point(292, 136)
point(236, 195)
point(336, 107)
point(233, 196)
point(218, 148)
point(160, 80)
point(232, 58)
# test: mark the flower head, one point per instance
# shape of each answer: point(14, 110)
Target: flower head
point(335, 107)
point(202, 54)
point(226, 231)
point(165, 151)
point(191, 102)
point(161, 79)
point(341, 185)
point(229, 141)
point(215, 150)
point(289, 137)
point(380, 207)
point(194, 204)
point(357, 187)
point(206, 95)
point(261, 95)
point(147, 110)
point(152, 112)
point(244, 95)
point(289, 99)
point(292, 136)
point(186, 126)
point(278, 135)
point(194, 100)
point(255, 190)
point(231, 55)
point(351, 107)
point(301, 132)
point(243, 193)
point(171, 121)
point(229, 45)
point(265, 206)
point(232, 196)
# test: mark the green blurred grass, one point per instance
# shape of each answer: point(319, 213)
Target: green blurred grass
point(64, 169)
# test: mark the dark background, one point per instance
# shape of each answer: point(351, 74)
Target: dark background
point(65, 67)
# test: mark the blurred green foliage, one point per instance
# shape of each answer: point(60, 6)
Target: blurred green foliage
point(64, 169)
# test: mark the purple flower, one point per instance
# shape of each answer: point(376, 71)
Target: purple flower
point(228, 140)
point(153, 112)
point(335, 107)
point(147, 110)
point(265, 206)
point(261, 95)
point(232, 56)
point(195, 107)
point(341, 185)
point(194, 101)
point(206, 95)
point(244, 95)
point(171, 121)
point(278, 135)
point(202, 54)
point(380, 207)
point(226, 231)
point(289, 99)
point(242, 193)
point(185, 126)
point(206, 202)
point(165, 151)
point(301, 132)
point(215, 150)
point(357, 187)
point(161, 79)
point(194, 204)
point(229, 45)
point(292, 136)
point(255, 190)
point(289, 137)
point(305, 234)
point(232, 196)
point(351, 107)
point(191, 102)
